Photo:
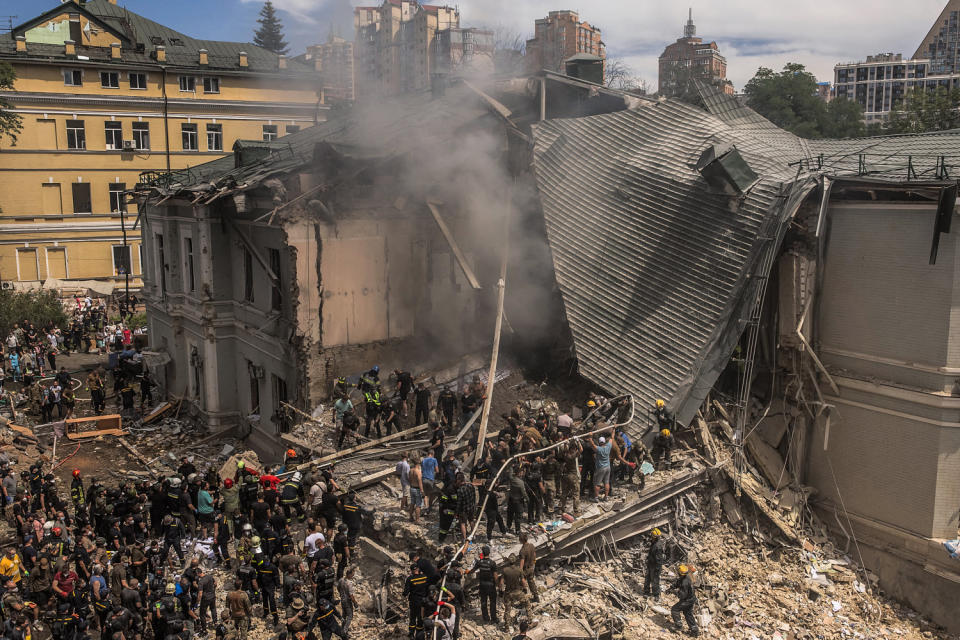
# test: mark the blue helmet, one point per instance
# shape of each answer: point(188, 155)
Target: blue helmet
point(376, 368)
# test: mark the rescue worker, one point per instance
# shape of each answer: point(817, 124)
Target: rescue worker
point(372, 411)
point(354, 521)
point(655, 557)
point(267, 580)
point(290, 497)
point(662, 416)
point(77, 493)
point(172, 537)
point(348, 427)
point(95, 386)
point(663, 447)
point(341, 387)
point(569, 458)
point(415, 588)
point(514, 590)
point(686, 601)
point(328, 620)
point(447, 404)
point(448, 511)
point(370, 380)
point(487, 578)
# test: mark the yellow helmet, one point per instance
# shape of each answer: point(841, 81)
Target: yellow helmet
point(591, 403)
point(683, 569)
point(665, 432)
point(660, 404)
point(655, 533)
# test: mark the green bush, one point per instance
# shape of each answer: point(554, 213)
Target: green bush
point(39, 307)
point(137, 320)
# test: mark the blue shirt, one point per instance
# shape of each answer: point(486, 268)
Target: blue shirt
point(626, 441)
point(429, 468)
point(603, 455)
point(204, 502)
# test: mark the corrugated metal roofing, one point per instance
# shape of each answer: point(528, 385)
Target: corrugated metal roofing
point(657, 273)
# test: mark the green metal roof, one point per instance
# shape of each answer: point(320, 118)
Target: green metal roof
point(145, 34)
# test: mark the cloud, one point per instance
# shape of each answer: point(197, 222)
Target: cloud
point(750, 33)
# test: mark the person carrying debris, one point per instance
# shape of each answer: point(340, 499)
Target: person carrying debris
point(686, 601)
point(663, 448)
point(655, 557)
point(340, 407)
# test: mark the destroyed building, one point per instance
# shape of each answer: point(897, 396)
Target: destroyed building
point(805, 287)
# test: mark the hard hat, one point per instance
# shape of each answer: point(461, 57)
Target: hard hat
point(660, 404)
point(683, 569)
point(591, 403)
point(241, 464)
point(247, 527)
point(291, 453)
point(665, 432)
point(57, 531)
point(255, 541)
point(192, 478)
point(76, 473)
point(656, 533)
point(297, 476)
point(174, 481)
point(48, 525)
point(376, 368)
point(170, 589)
point(228, 482)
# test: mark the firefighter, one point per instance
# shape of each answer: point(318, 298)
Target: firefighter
point(290, 497)
point(372, 411)
point(662, 416)
point(655, 556)
point(415, 588)
point(447, 404)
point(663, 447)
point(448, 510)
point(77, 493)
point(487, 577)
point(686, 601)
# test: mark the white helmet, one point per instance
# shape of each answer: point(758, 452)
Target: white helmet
point(247, 528)
point(48, 525)
point(297, 476)
point(174, 481)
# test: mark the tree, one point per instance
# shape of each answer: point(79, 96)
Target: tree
point(39, 307)
point(620, 75)
point(680, 82)
point(10, 123)
point(789, 100)
point(509, 47)
point(922, 110)
point(270, 34)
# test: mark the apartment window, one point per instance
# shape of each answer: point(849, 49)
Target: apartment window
point(189, 280)
point(211, 85)
point(141, 135)
point(110, 79)
point(247, 275)
point(279, 399)
point(73, 77)
point(82, 202)
point(276, 298)
point(254, 388)
point(76, 135)
point(121, 259)
point(214, 137)
point(138, 80)
point(269, 132)
point(188, 133)
point(113, 133)
point(188, 83)
point(292, 128)
point(118, 201)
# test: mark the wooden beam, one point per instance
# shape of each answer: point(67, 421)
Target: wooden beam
point(366, 445)
point(461, 259)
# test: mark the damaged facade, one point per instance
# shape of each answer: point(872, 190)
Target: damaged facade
point(805, 286)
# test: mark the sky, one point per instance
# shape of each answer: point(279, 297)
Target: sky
point(750, 33)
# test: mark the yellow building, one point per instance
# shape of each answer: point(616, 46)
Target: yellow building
point(105, 95)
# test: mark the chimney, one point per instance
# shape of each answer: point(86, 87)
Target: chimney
point(21, 44)
point(243, 59)
point(115, 50)
point(161, 53)
point(282, 62)
point(70, 47)
point(203, 57)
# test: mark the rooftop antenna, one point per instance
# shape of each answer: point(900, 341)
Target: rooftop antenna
point(9, 20)
point(690, 29)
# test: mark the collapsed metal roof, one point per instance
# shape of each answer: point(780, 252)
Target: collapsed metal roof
point(658, 270)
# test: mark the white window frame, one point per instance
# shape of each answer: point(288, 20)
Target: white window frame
point(190, 82)
point(196, 136)
point(109, 75)
point(66, 259)
point(36, 255)
point(82, 128)
point(138, 128)
point(110, 193)
point(72, 73)
point(146, 80)
point(219, 132)
point(113, 261)
point(274, 135)
point(211, 81)
point(110, 126)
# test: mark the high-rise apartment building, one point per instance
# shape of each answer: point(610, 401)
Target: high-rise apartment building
point(395, 44)
point(334, 61)
point(703, 60)
point(559, 37)
point(881, 82)
point(106, 95)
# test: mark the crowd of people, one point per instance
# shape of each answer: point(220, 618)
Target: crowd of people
point(136, 560)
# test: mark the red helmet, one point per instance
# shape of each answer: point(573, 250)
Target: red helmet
point(76, 473)
point(291, 453)
point(228, 483)
point(57, 531)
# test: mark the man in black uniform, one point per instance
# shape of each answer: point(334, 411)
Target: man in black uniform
point(404, 385)
point(655, 555)
point(267, 577)
point(686, 601)
point(415, 588)
point(328, 620)
point(487, 577)
point(349, 426)
point(354, 521)
point(422, 405)
point(447, 404)
point(77, 493)
point(290, 497)
point(663, 447)
point(448, 510)
point(372, 411)
point(172, 536)
point(326, 580)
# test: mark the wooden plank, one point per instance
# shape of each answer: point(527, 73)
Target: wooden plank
point(461, 259)
point(96, 434)
point(366, 445)
point(157, 411)
point(136, 454)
